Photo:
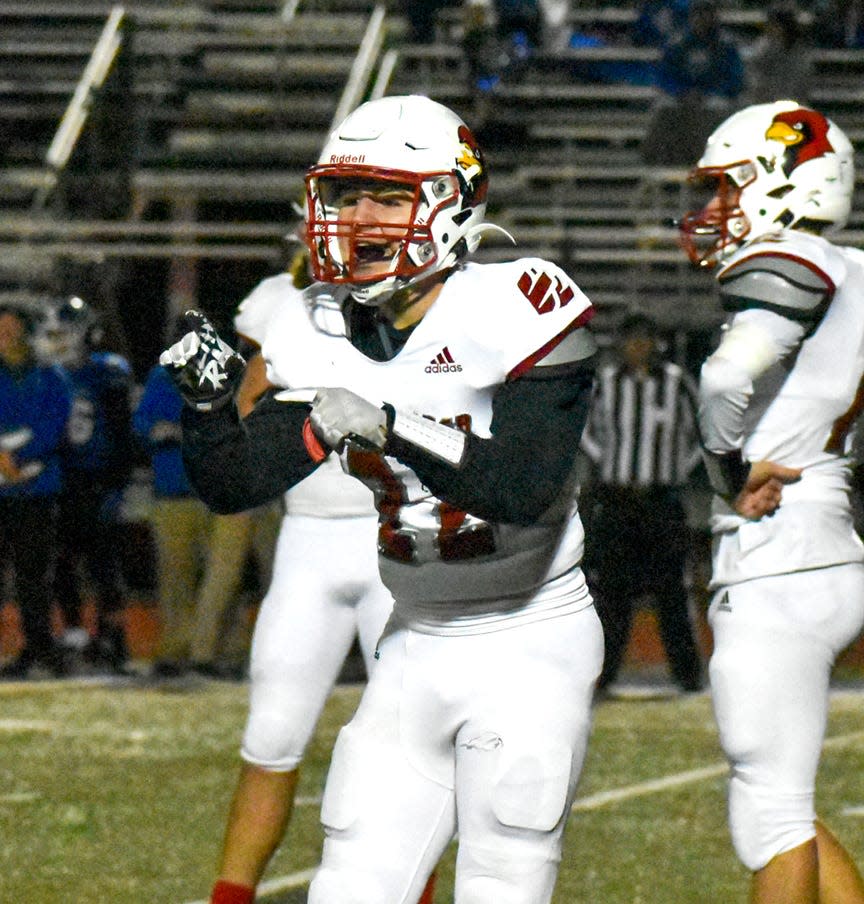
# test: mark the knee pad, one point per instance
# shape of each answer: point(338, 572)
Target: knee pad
point(273, 739)
point(766, 821)
point(338, 886)
point(483, 889)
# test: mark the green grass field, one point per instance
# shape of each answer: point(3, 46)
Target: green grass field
point(116, 794)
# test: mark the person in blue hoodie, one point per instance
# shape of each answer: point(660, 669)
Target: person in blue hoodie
point(35, 403)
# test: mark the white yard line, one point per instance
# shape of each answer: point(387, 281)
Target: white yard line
point(677, 779)
point(13, 726)
point(592, 802)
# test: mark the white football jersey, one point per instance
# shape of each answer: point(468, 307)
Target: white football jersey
point(328, 492)
point(801, 413)
point(448, 570)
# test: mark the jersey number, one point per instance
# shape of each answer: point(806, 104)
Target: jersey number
point(458, 537)
point(82, 422)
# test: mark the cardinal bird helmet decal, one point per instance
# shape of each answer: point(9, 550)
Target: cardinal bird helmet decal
point(804, 133)
point(769, 167)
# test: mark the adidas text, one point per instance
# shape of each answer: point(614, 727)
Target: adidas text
point(442, 368)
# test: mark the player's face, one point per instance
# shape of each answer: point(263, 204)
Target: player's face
point(375, 219)
point(716, 220)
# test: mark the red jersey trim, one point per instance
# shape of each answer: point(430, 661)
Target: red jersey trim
point(532, 359)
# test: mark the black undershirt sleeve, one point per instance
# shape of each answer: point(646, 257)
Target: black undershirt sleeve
point(515, 475)
point(235, 465)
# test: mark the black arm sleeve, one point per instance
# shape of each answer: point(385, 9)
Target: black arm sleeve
point(516, 474)
point(235, 465)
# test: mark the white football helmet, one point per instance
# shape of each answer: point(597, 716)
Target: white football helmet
point(769, 166)
point(64, 332)
point(413, 144)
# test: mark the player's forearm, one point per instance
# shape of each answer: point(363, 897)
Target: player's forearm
point(234, 465)
point(517, 474)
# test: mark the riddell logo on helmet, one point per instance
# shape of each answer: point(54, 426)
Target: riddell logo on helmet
point(347, 158)
point(443, 363)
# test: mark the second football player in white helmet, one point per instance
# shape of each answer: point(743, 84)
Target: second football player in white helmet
point(778, 399)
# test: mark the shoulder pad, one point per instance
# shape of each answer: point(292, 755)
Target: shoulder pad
point(577, 346)
point(779, 276)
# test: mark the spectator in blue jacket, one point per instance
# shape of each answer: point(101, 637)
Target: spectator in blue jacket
point(34, 408)
point(704, 59)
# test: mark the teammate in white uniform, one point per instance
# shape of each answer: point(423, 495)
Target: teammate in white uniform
point(325, 590)
point(469, 386)
point(777, 403)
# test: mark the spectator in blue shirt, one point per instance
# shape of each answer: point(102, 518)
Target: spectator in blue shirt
point(704, 60)
point(34, 409)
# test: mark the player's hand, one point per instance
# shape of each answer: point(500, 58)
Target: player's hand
point(339, 414)
point(204, 368)
point(763, 490)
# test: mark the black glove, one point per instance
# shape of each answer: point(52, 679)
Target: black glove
point(205, 369)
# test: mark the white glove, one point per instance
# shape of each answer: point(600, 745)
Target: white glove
point(339, 414)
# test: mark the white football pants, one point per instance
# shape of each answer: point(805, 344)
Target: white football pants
point(485, 734)
point(325, 591)
point(775, 642)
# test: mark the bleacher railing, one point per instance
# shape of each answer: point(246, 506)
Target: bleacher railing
point(72, 123)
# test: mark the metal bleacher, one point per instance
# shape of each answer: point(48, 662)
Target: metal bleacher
point(233, 99)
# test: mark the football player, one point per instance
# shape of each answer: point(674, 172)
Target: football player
point(778, 398)
point(457, 392)
point(97, 460)
point(325, 590)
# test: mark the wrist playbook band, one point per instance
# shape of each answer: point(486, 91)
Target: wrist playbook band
point(446, 443)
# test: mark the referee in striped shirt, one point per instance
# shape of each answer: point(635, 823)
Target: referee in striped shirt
point(642, 442)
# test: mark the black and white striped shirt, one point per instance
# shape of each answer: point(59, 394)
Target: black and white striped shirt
point(642, 427)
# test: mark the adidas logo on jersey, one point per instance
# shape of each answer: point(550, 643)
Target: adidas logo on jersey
point(724, 605)
point(443, 363)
